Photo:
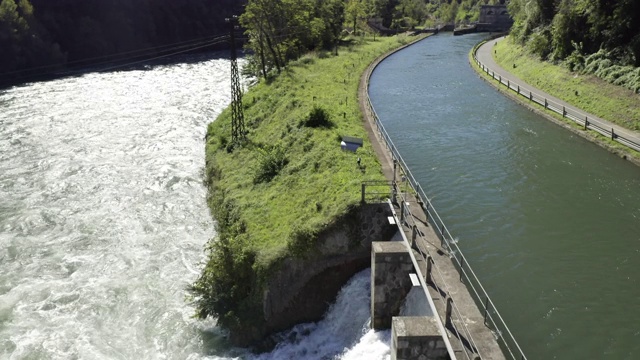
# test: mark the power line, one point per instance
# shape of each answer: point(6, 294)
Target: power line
point(172, 49)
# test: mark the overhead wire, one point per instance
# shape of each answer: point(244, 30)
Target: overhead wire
point(169, 49)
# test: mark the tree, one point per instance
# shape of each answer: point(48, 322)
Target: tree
point(354, 11)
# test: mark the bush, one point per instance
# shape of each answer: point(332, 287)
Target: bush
point(603, 66)
point(302, 240)
point(539, 43)
point(318, 117)
point(271, 160)
point(226, 280)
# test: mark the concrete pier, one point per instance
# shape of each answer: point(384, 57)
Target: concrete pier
point(390, 281)
point(417, 337)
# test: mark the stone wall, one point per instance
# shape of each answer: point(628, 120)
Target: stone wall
point(417, 338)
point(390, 282)
point(301, 290)
point(494, 18)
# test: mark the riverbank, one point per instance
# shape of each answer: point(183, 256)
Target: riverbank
point(291, 228)
point(486, 53)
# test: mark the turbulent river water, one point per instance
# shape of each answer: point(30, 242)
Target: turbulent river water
point(103, 221)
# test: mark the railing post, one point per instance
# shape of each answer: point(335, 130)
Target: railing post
point(414, 235)
point(363, 192)
point(486, 310)
point(449, 310)
point(427, 211)
point(394, 169)
point(394, 192)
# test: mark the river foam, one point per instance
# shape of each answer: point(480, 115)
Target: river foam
point(103, 223)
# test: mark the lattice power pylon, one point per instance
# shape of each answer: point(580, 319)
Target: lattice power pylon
point(237, 113)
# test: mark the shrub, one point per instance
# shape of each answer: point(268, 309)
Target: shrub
point(539, 43)
point(318, 117)
point(227, 277)
point(271, 160)
point(302, 240)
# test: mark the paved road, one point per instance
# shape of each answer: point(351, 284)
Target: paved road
point(484, 55)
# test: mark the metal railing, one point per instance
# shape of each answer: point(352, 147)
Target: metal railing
point(492, 317)
point(576, 116)
point(452, 314)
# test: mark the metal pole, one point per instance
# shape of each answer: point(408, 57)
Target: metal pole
point(413, 235)
point(237, 112)
point(486, 310)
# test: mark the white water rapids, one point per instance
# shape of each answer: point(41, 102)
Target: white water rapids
point(103, 221)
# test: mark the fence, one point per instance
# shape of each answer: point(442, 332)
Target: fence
point(577, 117)
point(492, 318)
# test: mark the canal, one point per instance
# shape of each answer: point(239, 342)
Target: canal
point(549, 221)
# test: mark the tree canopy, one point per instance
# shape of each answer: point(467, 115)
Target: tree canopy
point(42, 36)
point(556, 29)
point(39, 36)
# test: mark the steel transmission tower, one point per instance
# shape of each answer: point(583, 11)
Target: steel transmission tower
point(237, 113)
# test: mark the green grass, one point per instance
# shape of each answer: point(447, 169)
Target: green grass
point(319, 182)
point(589, 93)
point(604, 141)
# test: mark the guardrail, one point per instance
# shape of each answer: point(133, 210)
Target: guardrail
point(492, 317)
point(578, 117)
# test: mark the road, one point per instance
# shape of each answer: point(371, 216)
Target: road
point(484, 55)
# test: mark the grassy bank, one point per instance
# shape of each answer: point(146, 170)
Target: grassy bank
point(611, 102)
point(290, 180)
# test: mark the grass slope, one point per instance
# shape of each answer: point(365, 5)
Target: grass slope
point(611, 102)
point(319, 181)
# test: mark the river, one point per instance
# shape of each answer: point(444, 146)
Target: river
point(549, 221)
point(103, 222)
point(103, 218)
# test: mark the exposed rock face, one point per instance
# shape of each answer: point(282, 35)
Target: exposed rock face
point(301, 290)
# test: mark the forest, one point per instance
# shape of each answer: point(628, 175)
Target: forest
point(599, 37)
point(39, 37)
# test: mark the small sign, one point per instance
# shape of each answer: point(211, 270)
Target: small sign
point(414, 279)
point(351, 143)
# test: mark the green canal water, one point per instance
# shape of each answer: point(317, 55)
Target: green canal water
point(548, 221)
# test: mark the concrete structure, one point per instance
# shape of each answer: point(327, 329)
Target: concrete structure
point(494, 18)
point(390, 281)
point(417, 338)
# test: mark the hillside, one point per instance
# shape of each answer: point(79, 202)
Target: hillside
point(40, 36)
point(592, 37)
